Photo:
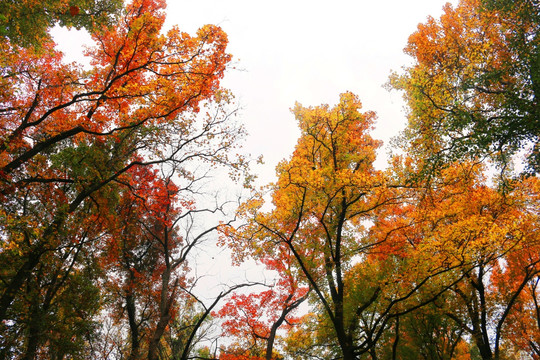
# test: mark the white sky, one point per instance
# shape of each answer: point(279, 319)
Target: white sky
point(310, 52)
point(305, 51)
point(300, 50)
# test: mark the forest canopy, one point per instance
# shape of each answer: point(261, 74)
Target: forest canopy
point(109, 193)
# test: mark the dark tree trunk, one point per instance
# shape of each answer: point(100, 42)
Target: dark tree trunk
point(133, 327)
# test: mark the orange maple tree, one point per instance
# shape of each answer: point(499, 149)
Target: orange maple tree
point(324, 194)
point(482, 241)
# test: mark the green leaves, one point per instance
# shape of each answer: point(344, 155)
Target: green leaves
point(472, 90)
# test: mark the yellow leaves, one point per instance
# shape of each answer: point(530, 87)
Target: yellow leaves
point(466, 89)
point(326, 190)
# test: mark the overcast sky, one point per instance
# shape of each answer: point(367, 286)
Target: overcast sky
point(305, 51)
point(310, 52)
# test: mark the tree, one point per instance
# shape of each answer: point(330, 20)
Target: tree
point(71, 140)
point(500, 234)
point(472, 94)
point(324, 195)
point(480, 236)
point(44, 311)
point(160, 217)
point(157, 225)
point(310, 339)
point(254, 319)
point(26, 23)
point(524, 321)
point(474, 86)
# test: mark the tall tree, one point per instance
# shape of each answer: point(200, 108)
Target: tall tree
point(70, 140)
point(473, 93)
point(480, 236)
point(325, 197)
point(473, 89)
point(159, 220)
point(524, 320)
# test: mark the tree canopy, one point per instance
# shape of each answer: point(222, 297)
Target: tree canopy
point(109, 198)
point(473, 88)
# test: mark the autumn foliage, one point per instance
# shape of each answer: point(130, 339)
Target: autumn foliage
point(88, 158)
point(473, 88)
point(109, 204)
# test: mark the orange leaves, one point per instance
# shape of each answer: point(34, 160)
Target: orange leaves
point(458, 220)
point(239, 355)
point(37, 82)
point(159, 65)
point(463, 40)
point(469, 91)
point(80, 151)
point(468, 240)
point(436, 42)
point(141, 79)
point(253, 319)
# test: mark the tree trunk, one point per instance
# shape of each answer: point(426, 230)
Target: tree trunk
point(133, 327)
point(34, 331)
point(164, 313)
point(158, 333)
point(18, 280)
point(483, 347)
point(396, 341)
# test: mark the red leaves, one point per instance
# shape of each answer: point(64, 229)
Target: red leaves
point(245, 315)
point(74, 10)
point(253, 319)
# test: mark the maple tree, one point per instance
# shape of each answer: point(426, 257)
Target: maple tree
point(523, 324)
point(254, 319)
point(473, 88)
point(503, 275)
point(72, 139)
point(478, 234)
point(324, 197)
point(155, 229)
point(473, 93)
point(321, 197)
point(133, 259)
